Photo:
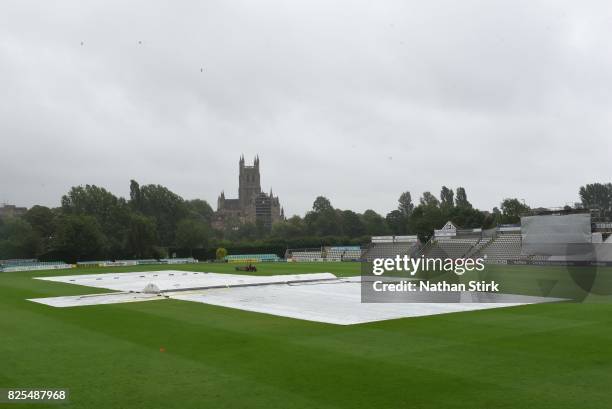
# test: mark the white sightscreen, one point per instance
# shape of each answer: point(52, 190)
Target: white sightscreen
point(551, 234)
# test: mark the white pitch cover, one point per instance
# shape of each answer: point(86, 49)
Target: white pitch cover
point(320, 297)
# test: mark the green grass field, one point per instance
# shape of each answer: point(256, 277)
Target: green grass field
point(536, 356)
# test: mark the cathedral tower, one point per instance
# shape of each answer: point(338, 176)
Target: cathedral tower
point(252, 205)
point(248, 182)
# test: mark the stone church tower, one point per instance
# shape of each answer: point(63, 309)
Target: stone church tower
point(252, 205)
point(249, 185)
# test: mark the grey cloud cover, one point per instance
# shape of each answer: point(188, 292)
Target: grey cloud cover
point(354, 100)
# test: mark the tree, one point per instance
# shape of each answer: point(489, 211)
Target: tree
point(497, 216)
point(446, 197)
point(297, 225)
point(429, 200)
point(512, 209)
point(466, 217)
point(597, 196)
point(18, 239)
point(165, 207)
point(81, 237)
point(135, 195)
point(91, 200)
point(321, 204)
point(247, 231)
point(111, 213)
point(41, 219)
point(352, 226)
point(220, 253)
point(141, 236)
point(405, 203)
point(327, 223)
point(425, 219)
point(288, 229)
point(396, 221)
point(323, 220)
point(461, 198)
point(191, 234)
point(200, 209)
point(43, 223)
point(374, 223)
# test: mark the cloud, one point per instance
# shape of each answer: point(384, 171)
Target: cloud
point(357, 101)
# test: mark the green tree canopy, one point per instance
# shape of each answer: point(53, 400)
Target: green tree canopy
point(597, 196)
point(221, 253)
point(199, 209)
point(110, 212)
point(352, 226)
point(468, 217)
point(192, 234)
point(321, 204)
point(141, 236)
point(426, 218)
point(396, 221)
point(81, 237)
point(512, 209)
point(405, 203)
point(42, 220)
point(323, 220)
point(165, 207)
point(374, 223)
point(461, 199)
point(18, 239)
point(446, 197)
point(289, 229)
point(429, 200)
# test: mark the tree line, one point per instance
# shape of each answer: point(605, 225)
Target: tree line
point(92, 223)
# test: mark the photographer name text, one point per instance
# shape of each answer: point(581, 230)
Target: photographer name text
point(439, 286)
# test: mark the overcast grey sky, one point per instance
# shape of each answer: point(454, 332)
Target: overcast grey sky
point(357, 101)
